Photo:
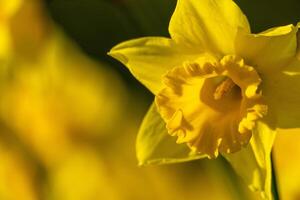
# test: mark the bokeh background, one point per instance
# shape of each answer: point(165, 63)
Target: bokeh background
point(69, 114)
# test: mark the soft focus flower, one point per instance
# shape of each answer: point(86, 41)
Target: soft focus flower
point(82, 175)
point(217, 88)
point(52, 93)
point(26, 42)
point(16, 173)
point(58, 97)
point(15, 36)
point(8, 8)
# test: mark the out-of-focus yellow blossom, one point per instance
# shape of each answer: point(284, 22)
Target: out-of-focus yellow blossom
point(15, 174)
point(16, 38)
point(82, 176)
point(60, 96)
point(286, 153)
point(27, 42)
point(7, 9)
point(52, 93)
point(217, 87)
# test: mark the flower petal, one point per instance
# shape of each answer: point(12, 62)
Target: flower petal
point(267, 51)
point(208, 24)
point(150, 58)
point(253, 163)
point(281, 92)
point(155, 146)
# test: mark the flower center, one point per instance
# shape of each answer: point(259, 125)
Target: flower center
point(224, 88)
point(212, 105)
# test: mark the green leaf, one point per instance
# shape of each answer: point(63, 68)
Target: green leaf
point(253, 163)
point(155, 146)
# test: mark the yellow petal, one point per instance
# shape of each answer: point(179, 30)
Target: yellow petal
point(253, 163)
point(267, 51)
point(282, 95)
point(155, 146)
point(208, 24)
point(149, 58)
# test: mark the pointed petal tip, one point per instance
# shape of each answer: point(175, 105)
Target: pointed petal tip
point(279, 31)
point(118, 56)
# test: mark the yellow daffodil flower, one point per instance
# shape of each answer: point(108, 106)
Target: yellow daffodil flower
point(218, 88)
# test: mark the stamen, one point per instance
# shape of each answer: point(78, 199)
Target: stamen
point(223, 88)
